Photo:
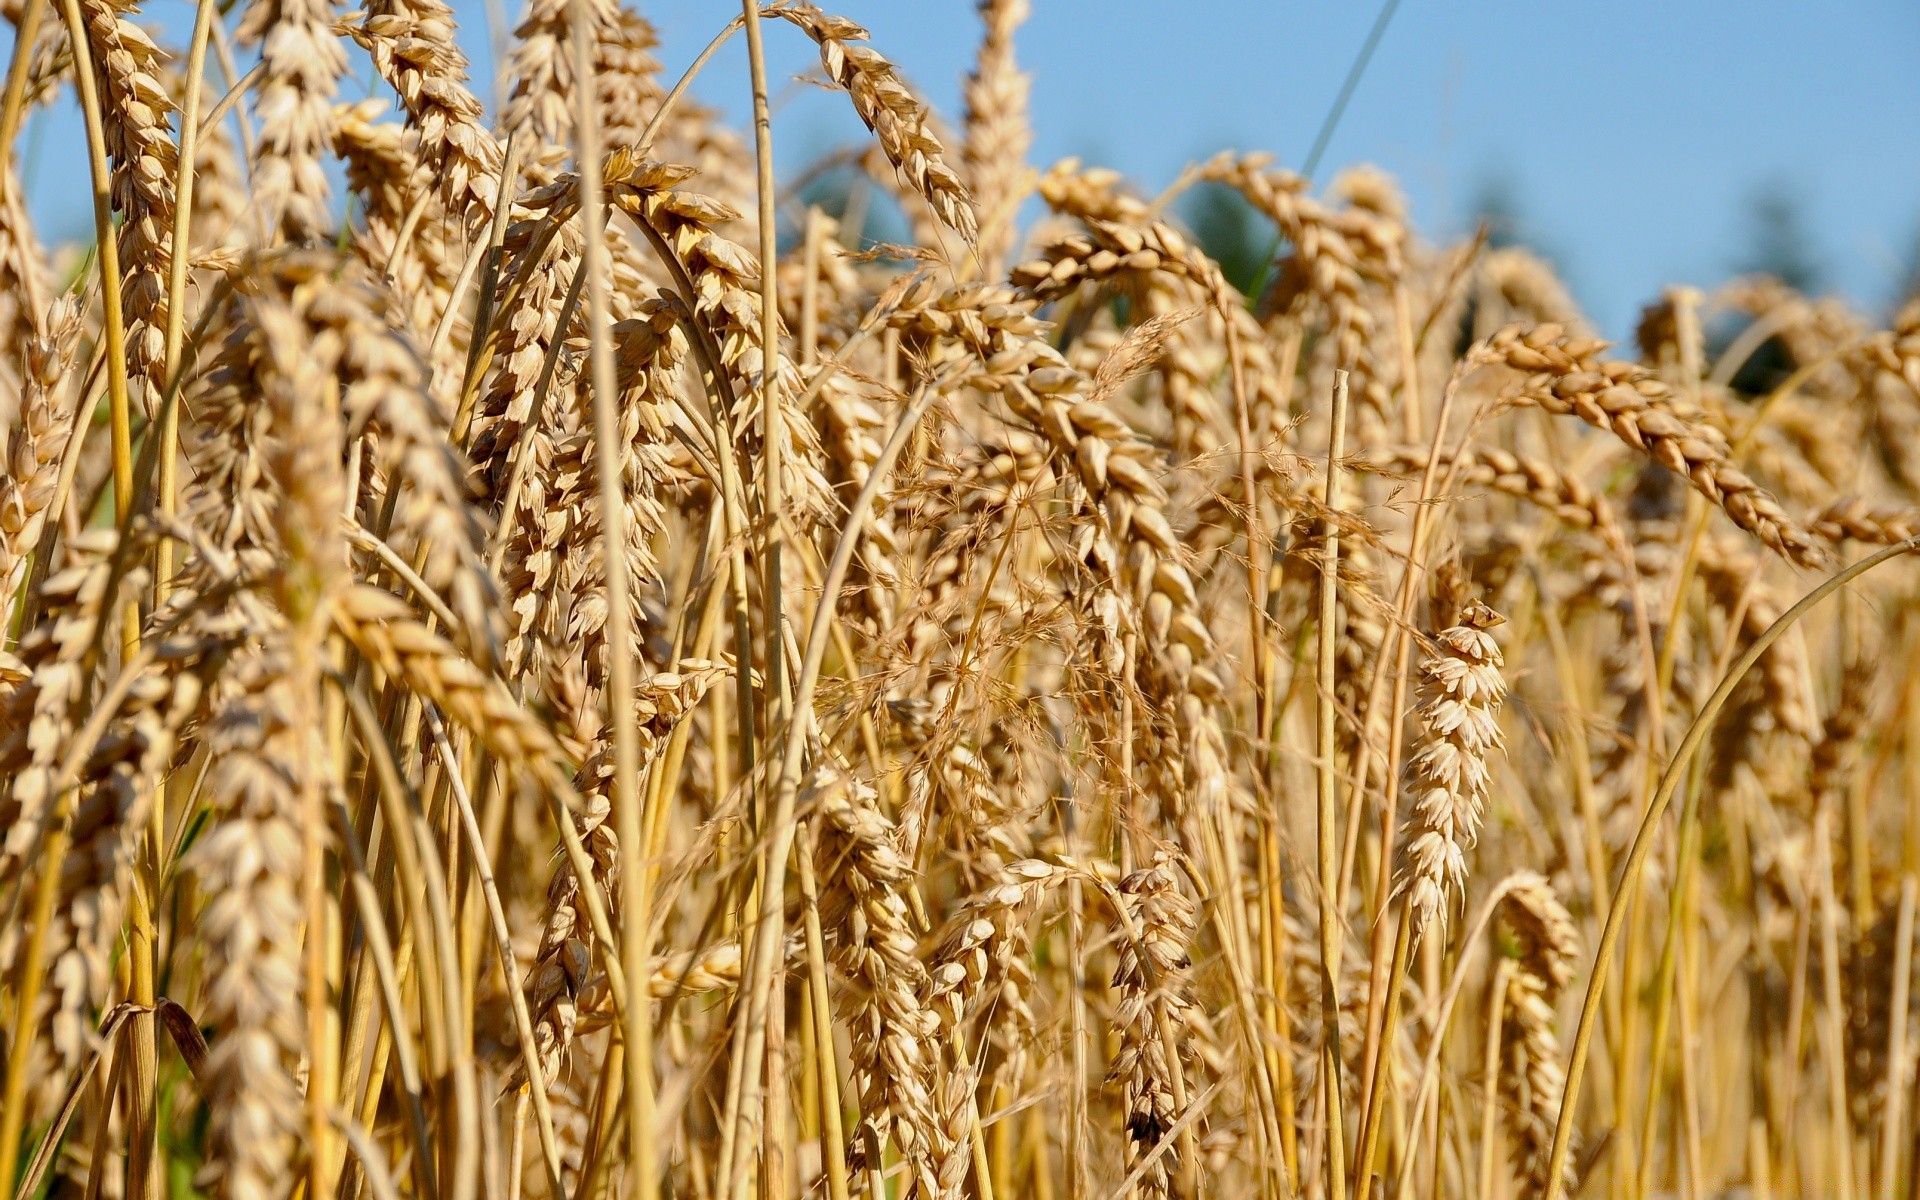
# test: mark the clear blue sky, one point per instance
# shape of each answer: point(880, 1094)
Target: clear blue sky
point(1632, 135)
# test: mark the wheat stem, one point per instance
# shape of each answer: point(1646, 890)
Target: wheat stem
point(26, 34)
point(1331, 1071)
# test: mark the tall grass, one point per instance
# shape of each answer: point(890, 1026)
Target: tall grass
point(581, 677)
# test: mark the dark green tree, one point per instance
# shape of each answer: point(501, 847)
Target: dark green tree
point(1230, 231)
point(1779, 242)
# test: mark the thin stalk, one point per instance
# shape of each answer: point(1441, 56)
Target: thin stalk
point(659, 119)
point(1394, 962)
point(1833, 1015)
point(1437, 1038)
point(386, 973)
point(772, 417)
point(13, 1109)
point(611, 455)
point(1490, 1073)
point(115, 1075)
point(1325, 784)
point(1892, 1122)
point(1664, 986)
point(1678, 914)
point(141, 1132)
point(743, 1107)
point(322, 930)
point(25, 34)
point(483, 258)
point(833, 1137)
point(1076, 1139)
point(108, 1036)
point(509, 966)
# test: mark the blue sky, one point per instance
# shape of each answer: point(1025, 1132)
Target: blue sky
point(1632, 136)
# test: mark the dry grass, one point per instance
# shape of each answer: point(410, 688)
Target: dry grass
point(504, 699)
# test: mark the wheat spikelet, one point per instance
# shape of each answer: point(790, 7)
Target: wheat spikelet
point(525, 336)
point(1564, 495)
point(248, 866)
point(541, 101)
point(1729, 571)
point(1531, 1075)
point(1334, 258)
point(412, 45)
point(302, 61)
point(722, 279)
point(268, 764)
point(979, 966)
point(726, 300)
point(105, 791)
point(385, 388)
point(386, 176)
point(1141, 555)
point(1514, 284)
point(1666, 336)
point(554, 563)
point(1852, 518)
point(562, 969)
point(898, 121)
point(40, 716)
point(1150, 978)
point(36, 447)
point(1363, 615)
point(24, 284)
point(894, 1056)
point(1836, 754)
point(1165, 286)
point(982, 946)
point(145, 161)
point(385, 630)
point(1870, 970)
point(1887, 370)
point(41, 708)
point(1448, 774)
point(998, 134)
point(47, 59)
point(1813, 331)
point(1898, 352)
point(854, 428)
point(699, 137)
point(1565, 375)
point(628, 76)
point(116, 790)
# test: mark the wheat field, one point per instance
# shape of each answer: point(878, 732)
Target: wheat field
point(1059, 724)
